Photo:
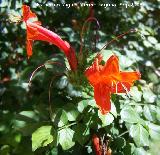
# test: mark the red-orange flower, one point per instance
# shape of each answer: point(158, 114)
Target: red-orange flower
point(109, 79)
point(96, 144)
point(36, 32)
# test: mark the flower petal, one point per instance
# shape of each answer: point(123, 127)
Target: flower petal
point(29, 48)
point(72, 58)
point(111, 66)
point(120, 87)
point(102, 98)
point(130, 77)
point(27, 13)
point(92, 73)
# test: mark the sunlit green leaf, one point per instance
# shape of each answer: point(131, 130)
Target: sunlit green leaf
point(60, 118)
point(42, 137)
point(106, 119)
point(150, 112)
point(140, 135)
point(65, 137)
point(140, 151)
point(128, 115)
point(136, 94)
point(148, 95)
point(154, 131)
point(152, 40)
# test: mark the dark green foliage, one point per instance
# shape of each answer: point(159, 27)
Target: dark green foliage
point(57, 115)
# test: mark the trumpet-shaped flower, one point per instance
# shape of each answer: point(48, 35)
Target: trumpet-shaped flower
point(109, 79)
point(36, 32)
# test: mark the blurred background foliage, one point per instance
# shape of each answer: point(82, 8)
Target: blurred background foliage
point(27, 125)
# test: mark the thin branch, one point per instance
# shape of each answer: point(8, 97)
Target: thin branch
point(30, 79)
point(43, 65)
point(66, 126)
point(123, 133)
point(117, 37)
point(83, 28)
point(49, 94)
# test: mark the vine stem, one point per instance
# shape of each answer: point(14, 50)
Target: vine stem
point(50, 85)
point(91, 10)
point(43, 65)
point(123, 133)
point(90, 120)
point(83, 28)
point(117, 37)
point(66, 126)
point(30, 79)
point(49, 94)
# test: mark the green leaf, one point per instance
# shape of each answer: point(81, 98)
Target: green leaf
point(136, 94)
point(106, 119)
point(71, 111)
point(82, 133)
point(73, 91)
point(128, 115)
point(62, 83)
point(106, 54)
point(126, 62)
point(65, 137)
point(158, 113)
point(42, 137)
point(154, 147)
point(147, 43)
point(54, 67)
point(27, 128)
point(152, 40)
point(70, 33)
point(4, 150)
point(27, 116)
point(60, 118)
point(153, 77)
point(92, 103)
point(82, 105)
point(54, 151)
point(129, 149)
point(148, 95)
point(119, 143)
point(150, 112)
point(154, 131)
point(157, 46)
point(113, 110)
point(72, 115)
point(140, 135)
point(140, 151)
point(138, 108)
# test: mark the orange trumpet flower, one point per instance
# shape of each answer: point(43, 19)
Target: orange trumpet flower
point(36, 32)
point(109, 79)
